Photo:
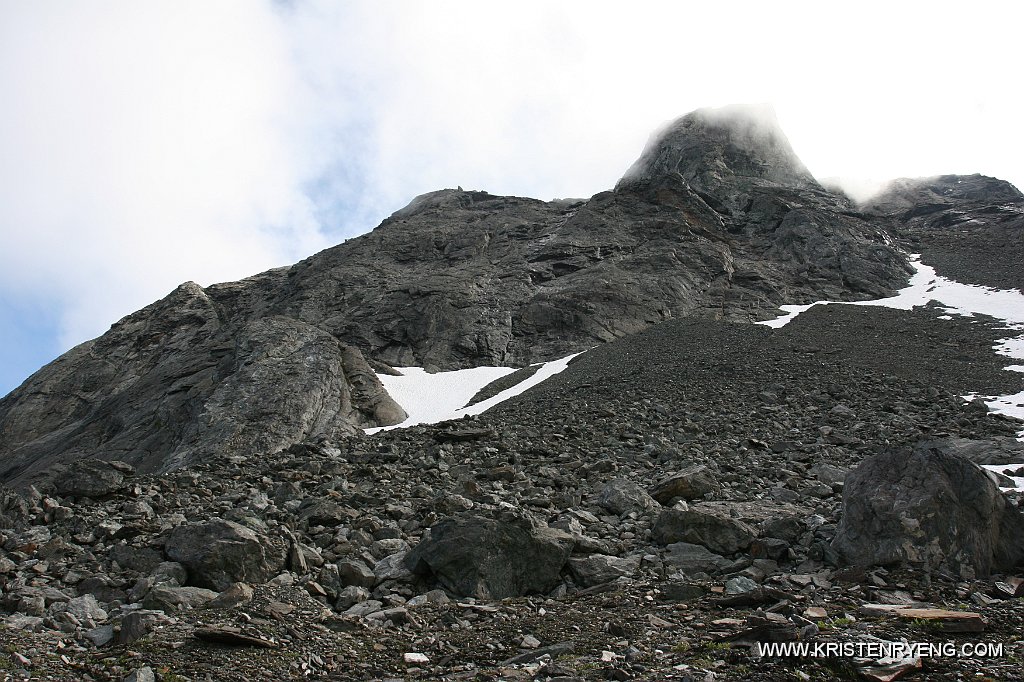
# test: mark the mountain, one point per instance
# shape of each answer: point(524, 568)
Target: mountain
point(717, 219)
point(972, 226)
point(192, 495)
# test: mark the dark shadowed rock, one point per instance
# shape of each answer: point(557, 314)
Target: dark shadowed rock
point(88, 478)
point(692, 483)
point(492, 559)
point(218, 553)
point(690, 558)
point(928, 507)
point(711, 528)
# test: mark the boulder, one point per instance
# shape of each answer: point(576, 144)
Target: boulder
point(600, 568)
point(235, 595)
point(692, 483)
point(486, 558)
point(928, 506)
point(87, 478)
point(690, 559)
point(167, 598)
point(355, 572)
point(218, 553)
point(710, 528)
point(137, 624)
point(621, 496)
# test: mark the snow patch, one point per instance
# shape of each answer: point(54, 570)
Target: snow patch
point(965, 300)
point(1018, 481)
point(431, 398)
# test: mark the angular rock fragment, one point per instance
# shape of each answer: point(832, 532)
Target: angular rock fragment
point(219, 552)
point(600, 568)
point(928, 507)
point(87, 478)
point(692, 483)
point(709, 528)
point(621, 496)
point(487, 558)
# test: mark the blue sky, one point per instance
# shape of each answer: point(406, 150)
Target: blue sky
point(146, 144)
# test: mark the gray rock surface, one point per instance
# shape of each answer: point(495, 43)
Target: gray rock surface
point(928, 507)
point(707, 527)
point(971, 227)
point(218, 553)
point(690, 558)
point(492, 559)
point(693, 483)
point(88, 478)
point(601, 568)
point(621, 496)
point(717, 219)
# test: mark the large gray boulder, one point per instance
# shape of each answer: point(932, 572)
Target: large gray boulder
point(622, 496)
point(218, 553)
point(692, 483)
point(488, 558)
point(601, 568)
point(929, 507)
point(711, 528)
point(88, 478)
point(691, 559)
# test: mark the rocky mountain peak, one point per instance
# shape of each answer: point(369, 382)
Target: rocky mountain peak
point(709, 148)
point(935, 193)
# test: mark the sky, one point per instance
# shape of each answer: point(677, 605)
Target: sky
point(147, 144)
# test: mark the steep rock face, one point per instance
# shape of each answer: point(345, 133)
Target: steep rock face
point(724, 153)
point(176, 382)
point(717, 219)
point(948, 216)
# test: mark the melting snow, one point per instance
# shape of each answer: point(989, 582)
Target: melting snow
point(965, 300)
point(1018, 481)
point(431, 398)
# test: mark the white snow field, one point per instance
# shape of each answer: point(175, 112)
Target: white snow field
point(965, 300)
point(431, 398)
point(1000, 468)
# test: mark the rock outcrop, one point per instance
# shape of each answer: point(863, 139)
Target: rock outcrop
point(971, 227)
point(929, 508)
point(176, 382)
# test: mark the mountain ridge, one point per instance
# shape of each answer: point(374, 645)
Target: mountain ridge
point(691, 486)
point(716, 219)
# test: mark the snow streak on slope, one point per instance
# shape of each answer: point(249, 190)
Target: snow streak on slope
point(431, 398)
point(1018, 481)
point(965, 300)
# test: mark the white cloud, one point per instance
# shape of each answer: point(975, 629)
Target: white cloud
point(145, 145)
point(149, 143)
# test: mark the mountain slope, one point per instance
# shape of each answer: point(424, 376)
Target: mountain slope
point(970, 226)
point(717, 219)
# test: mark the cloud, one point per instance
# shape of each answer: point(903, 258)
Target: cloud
point(145, 144)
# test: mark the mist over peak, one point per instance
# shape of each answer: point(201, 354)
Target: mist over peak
point(712, 147)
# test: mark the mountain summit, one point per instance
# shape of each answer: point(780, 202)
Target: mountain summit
point(734, 146)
